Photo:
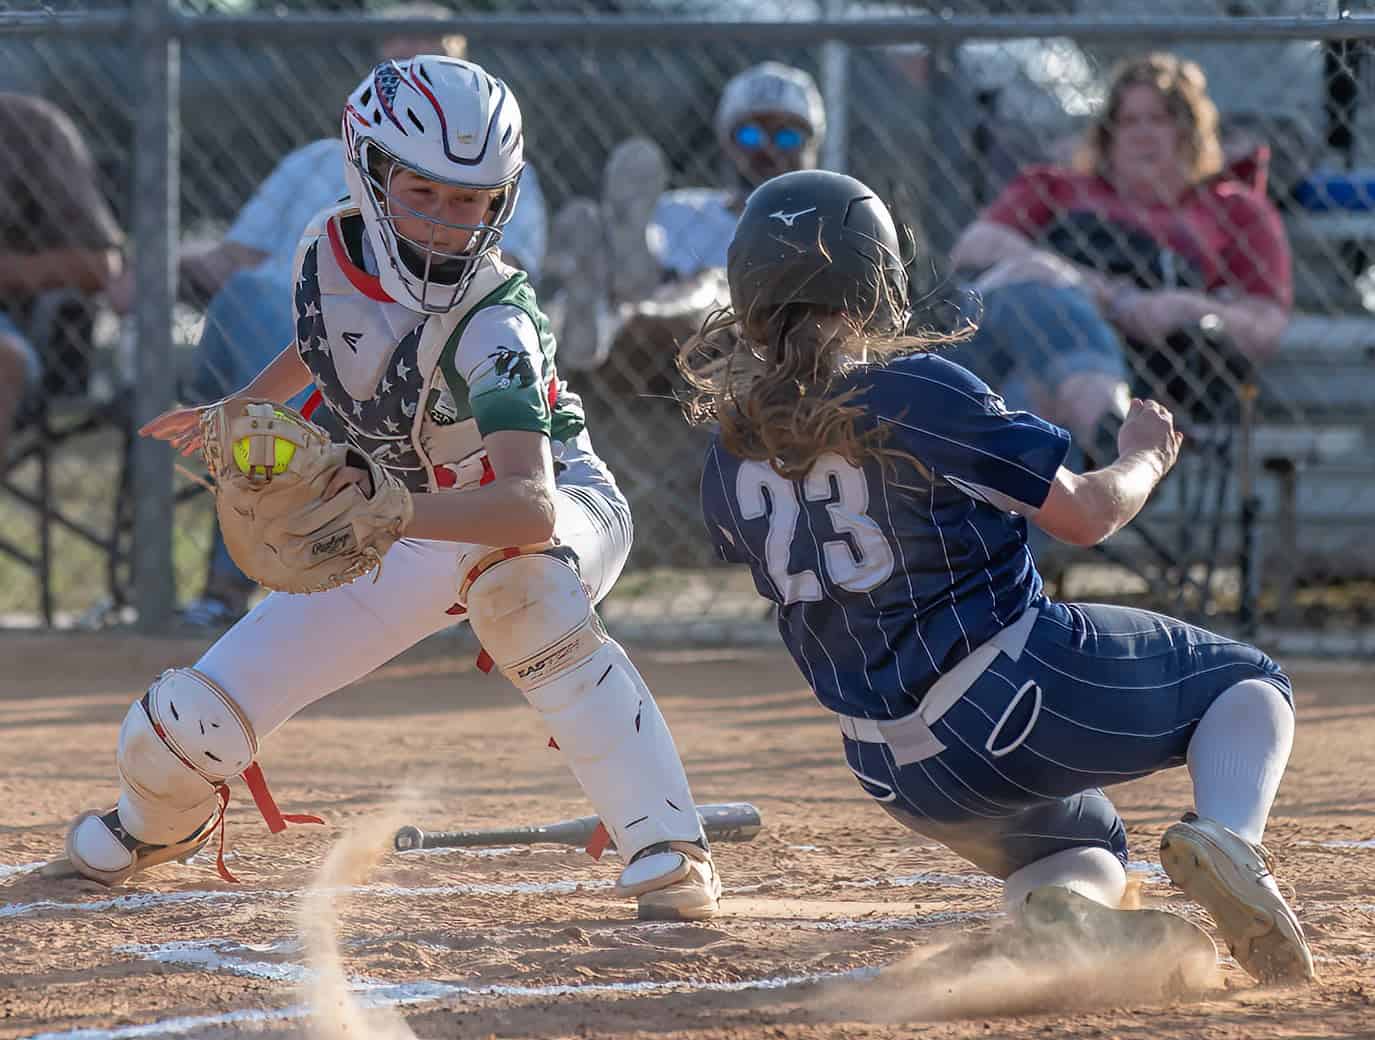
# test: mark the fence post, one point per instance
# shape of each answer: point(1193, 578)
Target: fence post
point(155, 226)
point(835, 91)
point(947, 208)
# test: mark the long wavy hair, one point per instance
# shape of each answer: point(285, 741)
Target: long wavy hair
point(1184, 88)
point(773, 385)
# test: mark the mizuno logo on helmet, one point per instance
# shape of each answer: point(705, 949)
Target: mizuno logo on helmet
point(788, 218)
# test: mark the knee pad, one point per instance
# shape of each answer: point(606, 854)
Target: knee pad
point(179, 742)
point(534, 617)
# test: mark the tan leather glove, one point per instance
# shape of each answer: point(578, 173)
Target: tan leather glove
point(276, 525)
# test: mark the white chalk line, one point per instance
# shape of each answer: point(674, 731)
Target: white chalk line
point(1151, 873)
point(1343, 958)
point(141, 901)
point(927, 878)
point(205, 954)
point(375, 994)
point(147, 900)
point(136, 902)
point(208, 954)
point(1368, 843)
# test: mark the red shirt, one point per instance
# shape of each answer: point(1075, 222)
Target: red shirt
point(1231, 232)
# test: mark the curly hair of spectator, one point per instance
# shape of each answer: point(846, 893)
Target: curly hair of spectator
point(1184, 88)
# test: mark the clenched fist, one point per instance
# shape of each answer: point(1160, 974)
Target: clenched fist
point(1149, 426)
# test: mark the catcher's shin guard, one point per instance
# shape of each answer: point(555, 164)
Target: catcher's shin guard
point(178, 746)
point(534, 617)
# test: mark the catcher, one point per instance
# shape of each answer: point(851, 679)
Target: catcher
point(468, 488)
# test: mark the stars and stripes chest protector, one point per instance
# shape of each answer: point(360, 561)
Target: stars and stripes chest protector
point(374, 362)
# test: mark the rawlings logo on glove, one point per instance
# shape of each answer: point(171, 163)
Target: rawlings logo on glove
point(271, 467)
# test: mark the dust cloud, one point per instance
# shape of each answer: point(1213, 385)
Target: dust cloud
point(337, 1013)
point(1158, 958)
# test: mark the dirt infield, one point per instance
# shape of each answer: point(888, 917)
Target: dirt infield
point(529, 942)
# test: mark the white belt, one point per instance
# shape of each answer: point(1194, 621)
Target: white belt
point(910, 737)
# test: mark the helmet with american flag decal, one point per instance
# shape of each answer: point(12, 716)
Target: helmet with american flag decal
point(448, 121)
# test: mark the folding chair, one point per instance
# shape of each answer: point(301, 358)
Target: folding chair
point(70, 404)
point(1211, 388)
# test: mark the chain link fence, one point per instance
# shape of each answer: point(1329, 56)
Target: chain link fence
point(939, 110)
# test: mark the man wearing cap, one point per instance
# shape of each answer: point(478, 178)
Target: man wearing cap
point(642, 269)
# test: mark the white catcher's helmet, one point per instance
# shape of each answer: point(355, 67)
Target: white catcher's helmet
point(446, 120)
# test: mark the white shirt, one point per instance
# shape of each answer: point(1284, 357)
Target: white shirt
point(691, 230)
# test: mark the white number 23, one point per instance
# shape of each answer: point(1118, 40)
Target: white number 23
point(859, 565)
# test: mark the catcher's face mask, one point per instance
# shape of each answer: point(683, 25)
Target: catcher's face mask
point(439, 228)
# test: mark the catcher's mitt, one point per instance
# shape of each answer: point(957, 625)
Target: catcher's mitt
point(277, 526)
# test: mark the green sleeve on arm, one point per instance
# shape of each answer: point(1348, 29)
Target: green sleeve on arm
point(507, 393)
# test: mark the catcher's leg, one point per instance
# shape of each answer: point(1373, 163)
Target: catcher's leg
point(534, 617)
point(287, 653)
point(179, 744)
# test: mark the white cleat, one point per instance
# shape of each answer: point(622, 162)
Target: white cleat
point(100, 849)
point(673, 881)
point(1226, 875)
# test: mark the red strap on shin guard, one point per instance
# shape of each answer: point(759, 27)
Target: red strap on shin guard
point(276, 819)
point(267, 805)
point(257, 787)
point(222, 793)
point(597, 844)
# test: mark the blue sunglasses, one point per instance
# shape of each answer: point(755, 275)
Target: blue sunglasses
point(752, 137)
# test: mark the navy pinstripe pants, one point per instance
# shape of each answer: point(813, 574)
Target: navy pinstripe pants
point(1099, 695)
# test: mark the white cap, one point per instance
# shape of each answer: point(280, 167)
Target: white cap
point(770, 87)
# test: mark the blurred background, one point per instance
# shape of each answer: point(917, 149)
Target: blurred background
point(180, 112)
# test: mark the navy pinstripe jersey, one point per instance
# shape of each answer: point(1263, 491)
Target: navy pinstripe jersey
point(885, 584)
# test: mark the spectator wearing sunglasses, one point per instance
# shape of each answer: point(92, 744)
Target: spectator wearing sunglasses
point(641, 269)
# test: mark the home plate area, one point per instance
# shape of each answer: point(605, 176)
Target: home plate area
point(835, 921)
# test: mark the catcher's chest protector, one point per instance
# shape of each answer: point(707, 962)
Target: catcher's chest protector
point(375, 360)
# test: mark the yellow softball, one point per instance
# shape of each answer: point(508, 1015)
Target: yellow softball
point(282, 453)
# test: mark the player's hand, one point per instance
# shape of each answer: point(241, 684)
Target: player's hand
point(1149, 427)
point(181, 427)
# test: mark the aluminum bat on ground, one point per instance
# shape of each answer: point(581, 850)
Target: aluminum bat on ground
point(733, 821)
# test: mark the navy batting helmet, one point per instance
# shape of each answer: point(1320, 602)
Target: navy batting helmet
point(818, 238)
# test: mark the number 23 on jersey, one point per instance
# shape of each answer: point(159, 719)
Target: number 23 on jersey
point(859, 563)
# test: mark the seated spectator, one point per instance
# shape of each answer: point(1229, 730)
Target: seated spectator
point(1144, 237)
point(247, 277)
point(56, 232)
point(647, 265)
